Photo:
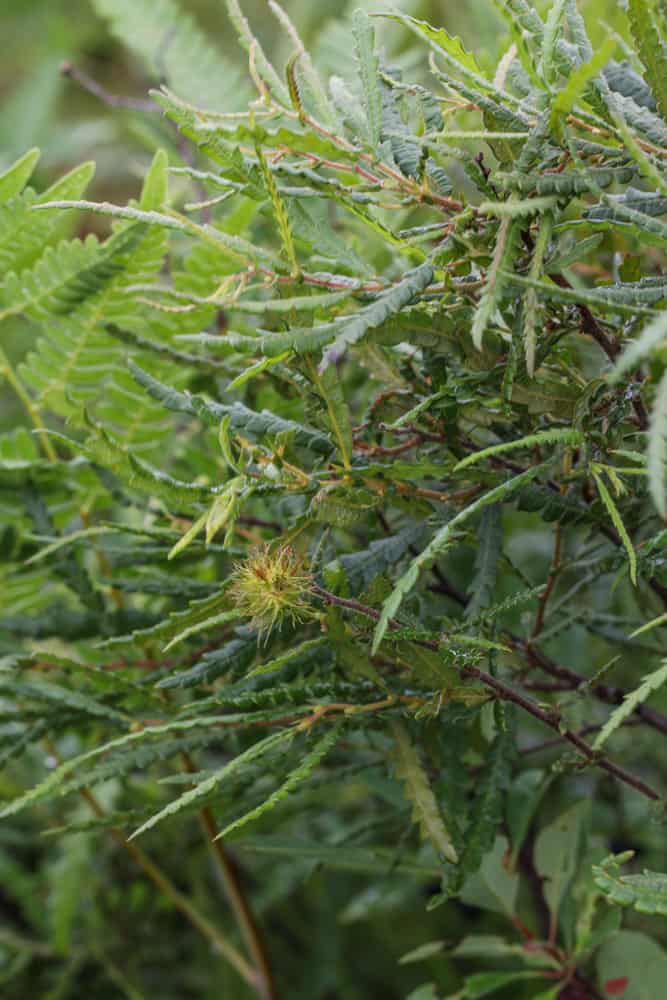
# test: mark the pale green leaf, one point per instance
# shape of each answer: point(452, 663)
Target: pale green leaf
point(650, 683)
point(617, 521)
point(419, 792)
point(656, 451)
point(559, 435)
point(14, 179)
point(303, 771)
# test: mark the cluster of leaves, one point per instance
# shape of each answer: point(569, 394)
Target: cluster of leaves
point(346, 488)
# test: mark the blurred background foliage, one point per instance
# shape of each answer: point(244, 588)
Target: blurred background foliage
point(40, 106)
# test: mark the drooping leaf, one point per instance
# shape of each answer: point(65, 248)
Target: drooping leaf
point(486, 562)
point(419, 792)
point(618, 524)
point(203, 788)
point(294, 778)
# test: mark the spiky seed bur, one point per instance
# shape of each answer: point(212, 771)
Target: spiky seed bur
point(273, 586)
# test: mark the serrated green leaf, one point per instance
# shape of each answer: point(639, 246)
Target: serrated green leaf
point(617, 521)
point(439, 543)
point(487, 809)
point(650, 683)
point(205, 787)
point(241, 418)
point(387, 304)
point(493, 287)
point(419, 792)
point(449, 46)
point(646, 893)
point(656, 451)
point(369, 71)
point(559, 435)
point(486, 561)
point(304, 769)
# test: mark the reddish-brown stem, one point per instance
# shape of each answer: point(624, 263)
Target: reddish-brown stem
point(608, 693)
point(549, 586)
point(243, 914)
point(169, 890)
point(548, 717)
point(370, 449)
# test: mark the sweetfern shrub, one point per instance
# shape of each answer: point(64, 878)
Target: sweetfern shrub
point(333, 529)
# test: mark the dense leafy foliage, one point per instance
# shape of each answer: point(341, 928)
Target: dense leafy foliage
point(333, 542)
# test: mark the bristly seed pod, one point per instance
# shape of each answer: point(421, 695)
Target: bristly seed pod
point(273, 586)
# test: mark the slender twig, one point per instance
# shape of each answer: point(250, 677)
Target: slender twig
point(169, 890)
point(547, 716)
point(91, 86)
point(557, 740)
point(383, 487)
point(370, 449)
point(608, 693)
point(549, 586)
point(237, 900)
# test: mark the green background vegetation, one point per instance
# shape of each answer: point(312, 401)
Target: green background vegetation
point(346, 875)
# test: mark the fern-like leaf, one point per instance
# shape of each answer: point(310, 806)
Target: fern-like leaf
point(386, 305)
point(241, 418)
point(15, 178)
point(502, 257)
point(172, 45)
point(617, 521)
point(369, 71)
point(419, 792)
point(646, 893)
point(303, 771)
point(649, 684)
point(559, 435)
point(656, 452)
point(487, 809)
point(253, 753)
